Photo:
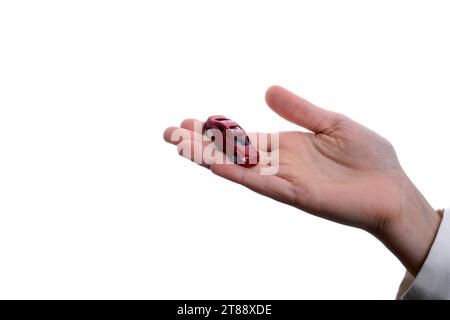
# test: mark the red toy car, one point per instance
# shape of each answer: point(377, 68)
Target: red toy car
point(244, 153)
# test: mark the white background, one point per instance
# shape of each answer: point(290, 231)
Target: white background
point(94, 204)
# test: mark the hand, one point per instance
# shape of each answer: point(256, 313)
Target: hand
point(341, 171)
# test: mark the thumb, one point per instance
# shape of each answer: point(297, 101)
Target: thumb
point(300, 111)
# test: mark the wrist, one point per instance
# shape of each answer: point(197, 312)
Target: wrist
point(411, 233)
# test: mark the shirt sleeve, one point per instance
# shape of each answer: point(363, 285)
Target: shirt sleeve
point(433, 279)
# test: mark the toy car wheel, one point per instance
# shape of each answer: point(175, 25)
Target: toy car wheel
point(241, 160)
point(209, 133)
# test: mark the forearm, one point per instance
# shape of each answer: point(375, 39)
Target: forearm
point(411, 235)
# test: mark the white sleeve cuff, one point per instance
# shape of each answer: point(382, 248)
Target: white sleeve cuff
point(433, 279)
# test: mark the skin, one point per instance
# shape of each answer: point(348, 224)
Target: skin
point(340, 171)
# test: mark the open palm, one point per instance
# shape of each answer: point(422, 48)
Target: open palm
point(333, 172)
point(339, 170)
